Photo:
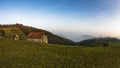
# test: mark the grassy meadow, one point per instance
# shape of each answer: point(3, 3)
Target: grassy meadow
point(25, 54)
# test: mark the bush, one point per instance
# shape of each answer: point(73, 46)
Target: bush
point(105, 44)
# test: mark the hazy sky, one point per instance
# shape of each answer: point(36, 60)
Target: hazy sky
point(66, 17)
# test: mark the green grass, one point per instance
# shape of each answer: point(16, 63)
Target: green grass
point(9, 31)
point(25, 54)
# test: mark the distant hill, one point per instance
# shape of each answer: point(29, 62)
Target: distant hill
point(99, 41)
point(25, 30)
point(82, 37)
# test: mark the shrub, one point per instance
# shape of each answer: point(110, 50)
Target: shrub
point(105, 44)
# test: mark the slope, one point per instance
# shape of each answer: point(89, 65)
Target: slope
point(52, 38)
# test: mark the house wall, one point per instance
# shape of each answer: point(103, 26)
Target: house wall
point(43, 39)
point(16, 37)
point(35, 40)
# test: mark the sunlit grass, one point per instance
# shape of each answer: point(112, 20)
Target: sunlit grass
point(25, 54)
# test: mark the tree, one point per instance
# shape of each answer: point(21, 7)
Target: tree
point(106, 44)
point(2, 33)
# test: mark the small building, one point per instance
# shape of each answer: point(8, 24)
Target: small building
point(37, 37)
point(14, 36)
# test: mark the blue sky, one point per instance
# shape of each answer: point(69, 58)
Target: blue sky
point(65, 17)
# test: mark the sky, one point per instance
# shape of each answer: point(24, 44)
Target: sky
point(68, 18)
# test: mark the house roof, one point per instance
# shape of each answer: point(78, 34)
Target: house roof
point(35, 35)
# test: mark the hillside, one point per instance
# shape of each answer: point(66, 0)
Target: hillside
point(25, 54)
point(10, 31)
point(100, 42)
point(52, 38)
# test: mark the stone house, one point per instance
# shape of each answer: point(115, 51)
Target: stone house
point(37, 37)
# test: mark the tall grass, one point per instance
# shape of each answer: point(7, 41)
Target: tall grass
point(25, 54)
